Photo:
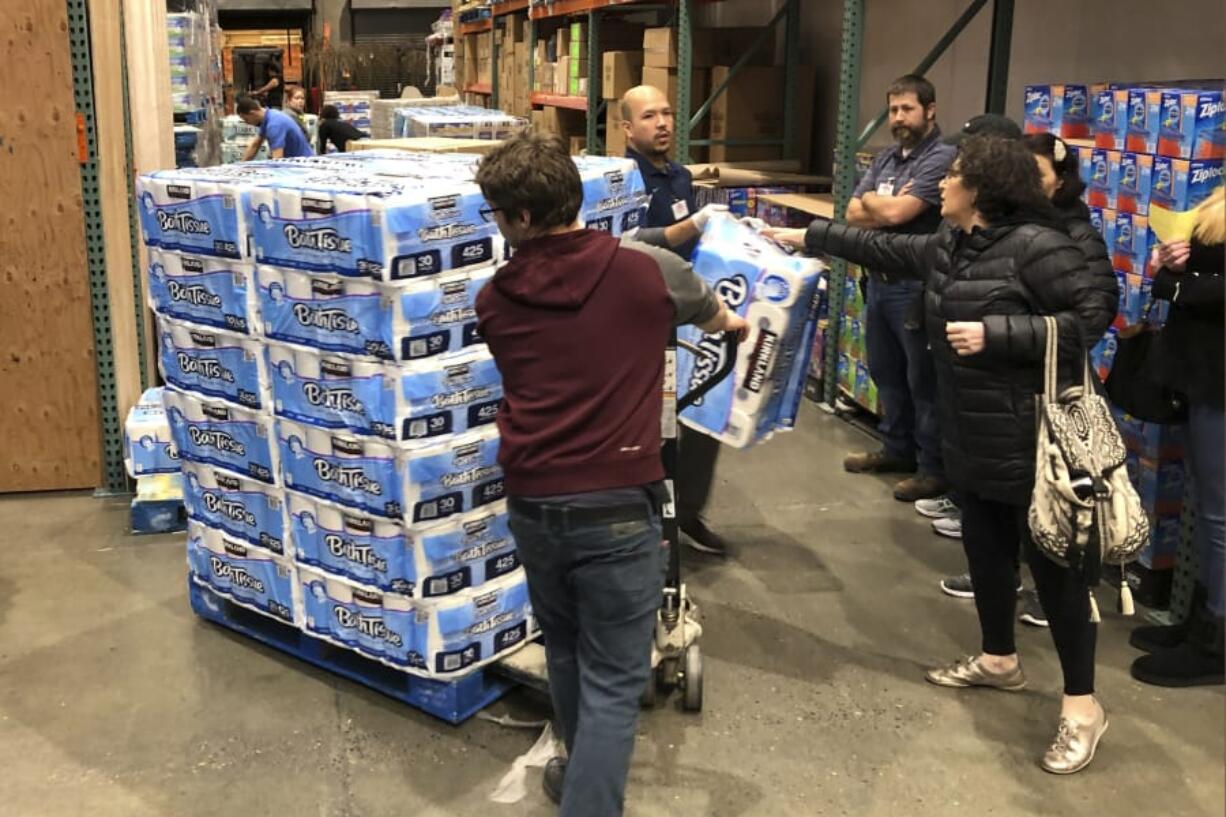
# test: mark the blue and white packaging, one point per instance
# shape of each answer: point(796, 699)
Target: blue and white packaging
point(241, 507)
point(213, 363)
point(219, 434)
point(147, 442)
point(439, 315)
point(452, 476)
point(457, 122)
point(201, 289)
point(250, 576)
point(614, 195)
point(777, 294)
point(448, 394)
point(461, 553)
point(357, 472)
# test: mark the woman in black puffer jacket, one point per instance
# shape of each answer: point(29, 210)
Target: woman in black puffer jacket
point(1001, 260)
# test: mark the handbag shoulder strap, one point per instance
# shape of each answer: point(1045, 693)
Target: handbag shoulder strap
point(1051, 366)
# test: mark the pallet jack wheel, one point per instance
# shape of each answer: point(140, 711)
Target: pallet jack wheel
point(647, 698)
point(693, 679)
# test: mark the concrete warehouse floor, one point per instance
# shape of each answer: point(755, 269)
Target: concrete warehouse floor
point(116, 700)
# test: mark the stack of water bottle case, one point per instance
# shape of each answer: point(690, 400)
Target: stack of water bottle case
point(331, 402)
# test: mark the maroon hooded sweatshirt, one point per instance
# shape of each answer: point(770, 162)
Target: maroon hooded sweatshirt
point(578, 324)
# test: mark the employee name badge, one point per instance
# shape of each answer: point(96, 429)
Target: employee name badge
point(680, 209)
point(885, 187)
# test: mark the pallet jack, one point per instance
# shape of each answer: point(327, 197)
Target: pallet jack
point(676, 656)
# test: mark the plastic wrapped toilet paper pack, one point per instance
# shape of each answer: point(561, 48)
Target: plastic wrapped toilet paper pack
point(614, 195)
point(147, 442)
point(244, 508)
point(463, 552)
point(448, 394)
point(442, 638)
point(212, 363)
point(222, 435)
point(357, 472)
point(405, 321)
point(203, 290)
point(777, 294)
point(452, 476)
point(249, 575)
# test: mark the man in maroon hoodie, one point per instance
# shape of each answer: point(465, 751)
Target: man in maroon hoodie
point(578, 322)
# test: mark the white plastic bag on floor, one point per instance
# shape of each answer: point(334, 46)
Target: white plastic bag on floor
point(511, 789)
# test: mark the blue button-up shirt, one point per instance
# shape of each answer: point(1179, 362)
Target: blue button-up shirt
point(925, 165)
point(667, 186)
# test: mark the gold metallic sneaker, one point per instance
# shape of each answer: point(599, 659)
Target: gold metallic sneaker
point(1075, 744)
point(969, 672)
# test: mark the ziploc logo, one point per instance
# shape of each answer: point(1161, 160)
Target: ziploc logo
point(323, 239)
point(1210, 108)
point(1209, 174)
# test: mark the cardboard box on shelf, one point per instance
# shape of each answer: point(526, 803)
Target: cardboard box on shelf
point(750, 108)
point(578, 144)
point(623, 70)
point(578, 68)
point(577, 87)
point(544, 77)
point(660, 47)
point(561, 76)
point(542, 52)
point(615, 137)
point(561, 122)
point(562, 42)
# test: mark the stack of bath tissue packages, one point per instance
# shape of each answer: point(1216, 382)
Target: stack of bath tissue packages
point(331, 403)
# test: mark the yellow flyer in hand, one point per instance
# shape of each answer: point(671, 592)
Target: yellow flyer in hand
point(1171, 226)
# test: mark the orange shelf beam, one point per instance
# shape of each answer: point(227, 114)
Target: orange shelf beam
point(575, 103)
point(479, 27)
point(479, 88)
point(510, 8)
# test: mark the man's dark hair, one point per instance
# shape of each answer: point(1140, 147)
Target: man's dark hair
point(329, 112)
point(246, 104)
point(1005, 179)
point(1067, 169)
point(533, 172)
point(913, 84)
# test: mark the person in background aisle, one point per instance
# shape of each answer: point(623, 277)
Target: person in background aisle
point(647, 118)
point(295, 106)
point(1192, 276)
point(899, 194)
point(277, 128)
point(999, 263)
point(273, 90)
point(577, 322)
point(336, 130)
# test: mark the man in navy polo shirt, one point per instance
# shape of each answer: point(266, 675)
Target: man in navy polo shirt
point(282, 133)
point(901, 194)
point(647, 119)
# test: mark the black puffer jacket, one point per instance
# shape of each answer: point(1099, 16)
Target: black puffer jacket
point(1006, 276)
point(1076, 219)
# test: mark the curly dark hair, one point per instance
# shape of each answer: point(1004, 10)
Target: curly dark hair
point(533, 173)
point(1004, 177)
point(1067, 170)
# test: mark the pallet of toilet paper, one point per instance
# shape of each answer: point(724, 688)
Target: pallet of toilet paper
point(147, 444)
point(777, 294)
point(457, 122)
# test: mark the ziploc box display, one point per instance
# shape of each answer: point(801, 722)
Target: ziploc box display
point(356, 472)
point(204, 290)
point(614, 196)
point(1109, 118)
point(241, 507)
point(212, 363)
point(147, 443)
point(776, 294)
point(1182, 184)
point(1103, 220)
point(1144, 119)
point(448, 394)
point(1133, 241)
point(1192, 125)
point(436, 560)
point(222, 435)
point(1103, 186)
point(200, 210)
point(1135, 181)
point(1060, 109)
point(251, 576)
point(403, 321)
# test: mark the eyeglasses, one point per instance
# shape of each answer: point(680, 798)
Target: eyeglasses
point(487, 213)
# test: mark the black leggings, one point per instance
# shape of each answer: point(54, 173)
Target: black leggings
point(991, 533)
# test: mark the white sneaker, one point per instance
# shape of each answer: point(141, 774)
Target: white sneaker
point(938, 508)
point(950, 527)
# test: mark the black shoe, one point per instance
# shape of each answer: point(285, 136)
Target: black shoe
point(703, 539)
point(1199, 661)
point(555, 776)
point(1155, 638)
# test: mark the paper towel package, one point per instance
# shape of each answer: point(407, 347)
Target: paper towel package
point(356, 472)
point(204, 290)
point(777, 294)
point(446, 637)
point(222, 435)
point(405, 321)
point(251, 576)
point(212, 363)
point(147, 442)
point(241, 507)
point(448, 394)
point(437, 560)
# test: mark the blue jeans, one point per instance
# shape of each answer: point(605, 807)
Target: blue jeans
point(901, 365)
point(1206, 442)
point(595, 590)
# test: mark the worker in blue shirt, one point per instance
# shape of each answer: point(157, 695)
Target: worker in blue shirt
point(647, 119)
point(282, 133)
